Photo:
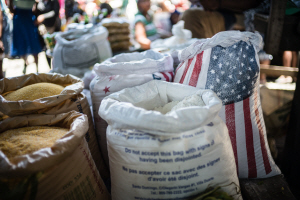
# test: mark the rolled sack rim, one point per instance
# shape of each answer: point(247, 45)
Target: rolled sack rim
point(130, 116)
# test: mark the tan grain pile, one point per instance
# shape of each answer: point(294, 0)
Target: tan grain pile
point(34, 91)
point(21, 141)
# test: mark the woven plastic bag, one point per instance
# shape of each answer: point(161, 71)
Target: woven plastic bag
point(124, 71)
point(181, 38)
point(176, 155)
point(228, 64)
point(77, 50)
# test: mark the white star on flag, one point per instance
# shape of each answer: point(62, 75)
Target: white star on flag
point(247, 47)
point(225, 100)
point(211, 87)
point(251, 60)
point(215, 57)
point(231, 75)
point(219, 93)
point(234, 46)
point(239, 96)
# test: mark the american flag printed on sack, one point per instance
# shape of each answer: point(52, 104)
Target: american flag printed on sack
point(233, 74)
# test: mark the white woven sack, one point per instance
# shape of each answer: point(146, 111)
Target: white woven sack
point(124, 71)
point(181, 38)
point(64, 170)
point(172, 156)
point(228, 64)
point(77, 50)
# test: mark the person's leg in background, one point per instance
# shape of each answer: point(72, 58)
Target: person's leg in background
point(264, 59)
point(289, 59)
point(36, 60)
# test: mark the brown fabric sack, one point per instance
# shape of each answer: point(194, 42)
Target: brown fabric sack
point(70, 99)
point(58, 172)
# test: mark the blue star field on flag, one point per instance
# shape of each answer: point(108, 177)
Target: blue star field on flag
point(233, 72)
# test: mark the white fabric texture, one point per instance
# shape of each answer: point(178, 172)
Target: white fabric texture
point(228, 64)
point(124, 71)
point(155, 156)
point(77, 50)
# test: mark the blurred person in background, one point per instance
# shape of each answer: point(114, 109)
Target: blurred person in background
point(207, 17)
point(108, 8)
point(174, 17)
point(5, 35)
point(90, 8)
point(162, 18)
point(47, 12)
point(145, 30)
point(25, 37)
point(104, 12)
point(69, 4)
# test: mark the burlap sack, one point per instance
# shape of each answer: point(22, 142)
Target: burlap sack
point(70, 99)
point(62, 171)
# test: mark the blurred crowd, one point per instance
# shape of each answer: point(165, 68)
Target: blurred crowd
point(25, 23)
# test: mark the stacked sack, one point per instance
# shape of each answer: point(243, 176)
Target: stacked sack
point(228, 64)
point(124, 71)
point(49, 94)
point(46, 157)
point(119, 31)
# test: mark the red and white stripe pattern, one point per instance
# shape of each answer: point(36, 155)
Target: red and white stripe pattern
point(166, 76)
point(243, 117)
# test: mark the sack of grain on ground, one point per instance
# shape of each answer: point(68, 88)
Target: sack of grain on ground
point(228, 64)
point(70, 98)
point(167, 140)
point(53, 160)
point(69, 84)
point(124, 71)
point(77, 50)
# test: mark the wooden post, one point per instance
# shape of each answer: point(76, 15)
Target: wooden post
point(291, 154)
